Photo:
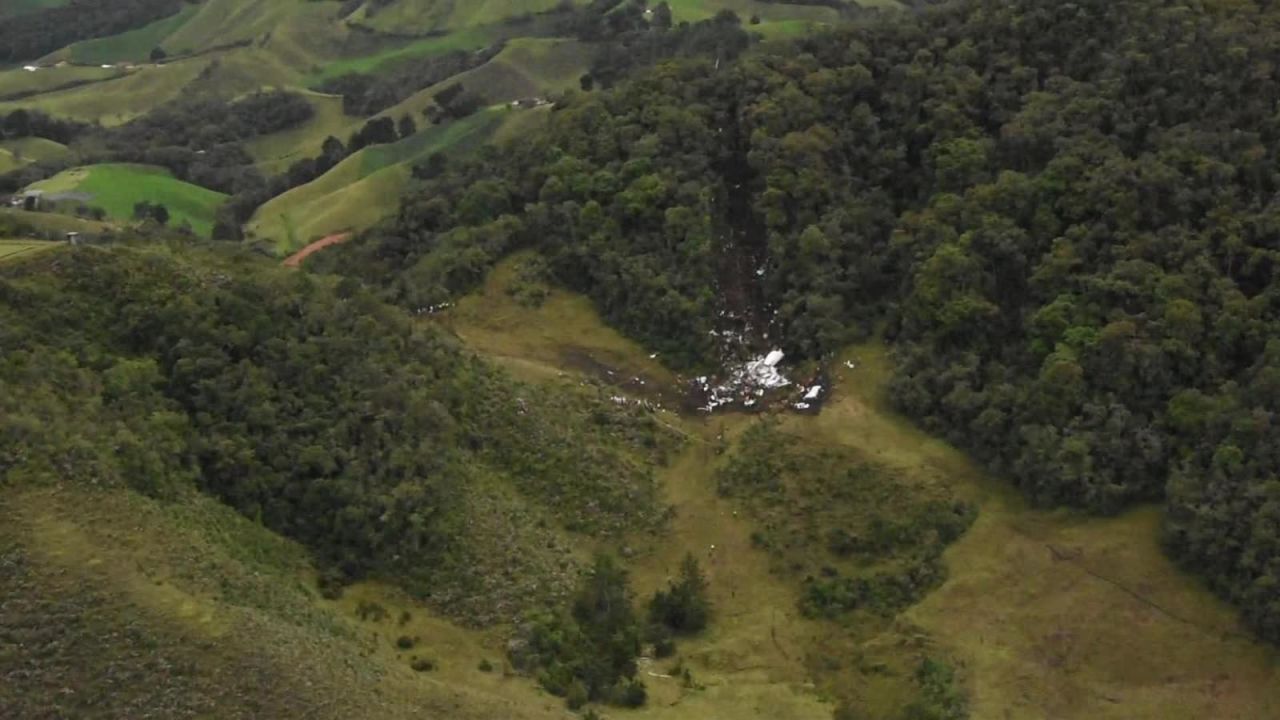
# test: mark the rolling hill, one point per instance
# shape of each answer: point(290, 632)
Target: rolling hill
point(117, 188)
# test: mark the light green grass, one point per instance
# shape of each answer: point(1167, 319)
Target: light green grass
point(416, 16)
point(31, 149)
point(17, 80)
point(275, 152)
point(461, 40)
point(52, 225)
point(14, 249)
point(362, 189)
point(116, 188)
point(695, 10)
point(118, 100)
point(132, 46)
point(525, 68)
point(8, 162)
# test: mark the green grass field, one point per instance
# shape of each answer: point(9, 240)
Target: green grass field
point(695, 10)
point(18, 81)
point(362, 189)
point(116, 188)
point(471, 39)
point(276, 151)
point(132, 46)
point(8, 162)
point(116, 100)
point(414, 16)
point(30, 149)
point(14, 249)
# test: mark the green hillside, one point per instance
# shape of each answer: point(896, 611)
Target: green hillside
point(362, 189)
point(117, 188)
point(132, 46)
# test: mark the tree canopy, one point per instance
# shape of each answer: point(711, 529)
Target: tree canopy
point(1062, 214)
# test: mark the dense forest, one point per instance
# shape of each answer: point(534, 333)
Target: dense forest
point(40, 32)
point(1062, 214)
point(305, 404)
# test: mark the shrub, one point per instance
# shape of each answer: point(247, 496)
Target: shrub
point(423, 664)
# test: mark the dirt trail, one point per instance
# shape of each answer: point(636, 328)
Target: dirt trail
point(295, 260)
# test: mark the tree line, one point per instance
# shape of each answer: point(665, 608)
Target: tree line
point(39, 32)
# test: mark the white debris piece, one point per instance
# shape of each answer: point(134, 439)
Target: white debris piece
point(30, 68)
point(760, 271)
point(107, 67)
point(801, 406)
point(813, 393)
point(848, 364)
point(774, 357)
point(653, 355)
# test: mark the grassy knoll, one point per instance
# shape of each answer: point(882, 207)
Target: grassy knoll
point(525, 68)
point(117, 188)
point(30, 149)
point(275, 152)
point(16, 81)
point(362, 189)
point(9, 162)
point(132, 46)
point(116, 100)
point(14, 249)
point(695, 10)
point(409, 16)
point(470, 39)
point(223, 610)
point(51, 225)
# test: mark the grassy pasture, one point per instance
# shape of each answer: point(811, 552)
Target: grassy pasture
point(117, 100)
point(14, 249)
point(362, 189)
point(471, 39)
point(30, 149)
point(134, 45)
point(17, 81)
point(276, 151)
point(413, 16)
point(116, 188)
point(695, 10)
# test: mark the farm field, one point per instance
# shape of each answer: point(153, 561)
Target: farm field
point(116, 188)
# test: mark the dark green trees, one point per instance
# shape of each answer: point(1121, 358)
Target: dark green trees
point(683, 607)
point(589, 652)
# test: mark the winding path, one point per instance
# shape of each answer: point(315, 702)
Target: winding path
point(295, 260)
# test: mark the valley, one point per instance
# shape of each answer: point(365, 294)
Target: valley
point(683, 360)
